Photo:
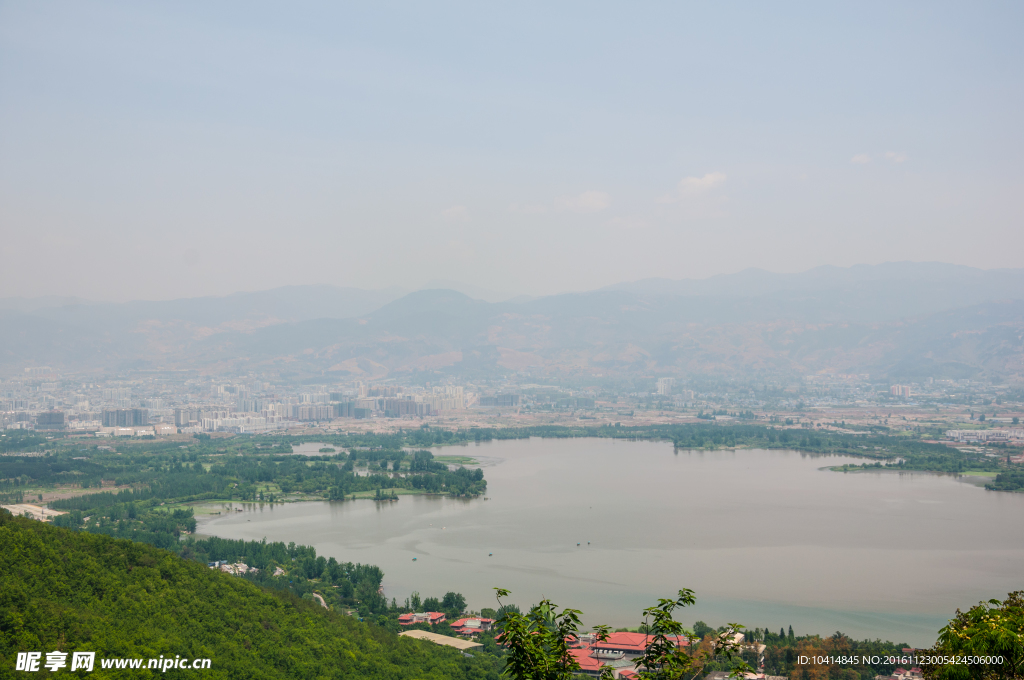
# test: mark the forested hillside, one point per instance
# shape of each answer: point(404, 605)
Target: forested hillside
point(74, 591)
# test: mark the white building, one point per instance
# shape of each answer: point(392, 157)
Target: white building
point(985, 436)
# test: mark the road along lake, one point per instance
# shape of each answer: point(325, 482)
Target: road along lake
point(765, 538)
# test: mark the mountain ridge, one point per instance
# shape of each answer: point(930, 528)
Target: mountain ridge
point(873, 324)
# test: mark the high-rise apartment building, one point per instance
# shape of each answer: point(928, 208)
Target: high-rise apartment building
point(248, 405)
point(900, 391)
point(117, 395)
point(125, 417)
point(50, 420)
point(185, 417)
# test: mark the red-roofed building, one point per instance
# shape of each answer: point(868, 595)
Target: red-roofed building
point(628, 645)
point(588, 664)
point(904, 674)
point(582, 642)
point(471, 626)
point(422, 617)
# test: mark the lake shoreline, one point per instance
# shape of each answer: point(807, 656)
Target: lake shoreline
point(807, 537)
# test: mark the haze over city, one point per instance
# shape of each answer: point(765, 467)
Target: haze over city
point(168, 151)
point(343, 340)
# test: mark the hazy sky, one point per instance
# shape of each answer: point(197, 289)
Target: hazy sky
point(160, 150)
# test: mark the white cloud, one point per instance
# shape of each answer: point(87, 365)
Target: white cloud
point(895, 157)
point(701, 185)
point(456, 213)
point(861, 159)
point(689, 187)
point(588, 201)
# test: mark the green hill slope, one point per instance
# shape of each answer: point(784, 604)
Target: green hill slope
point(70, 591)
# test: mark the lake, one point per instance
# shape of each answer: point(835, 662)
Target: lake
point(765, 538)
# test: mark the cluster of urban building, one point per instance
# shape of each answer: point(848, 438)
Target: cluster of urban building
point(902, 391)
point(43, 400)
point(155, 403)
point(260, 412)
point(1013, 436)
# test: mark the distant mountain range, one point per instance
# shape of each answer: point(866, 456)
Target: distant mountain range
point(866, 293)
point(900, 320)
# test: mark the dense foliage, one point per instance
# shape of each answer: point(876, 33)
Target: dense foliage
point(50, 470)
point(73, 591)
point(539, 641)
point(20, 440)
point(231, 470)
point(136, 522)
point(990, 629)
point(783, 651)
point(1011, 480)
point(303, 572)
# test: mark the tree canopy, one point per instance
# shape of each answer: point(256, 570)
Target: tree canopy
point(73, 591)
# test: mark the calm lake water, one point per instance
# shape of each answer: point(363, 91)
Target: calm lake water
point(765, 538)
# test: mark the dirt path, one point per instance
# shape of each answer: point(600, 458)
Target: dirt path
point(37, 512)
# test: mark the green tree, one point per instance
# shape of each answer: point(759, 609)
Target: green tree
point(667, 658)
point(453, 604)
point(989, 629)
point(70, 591)
point(538, 641)
point(700, 629)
